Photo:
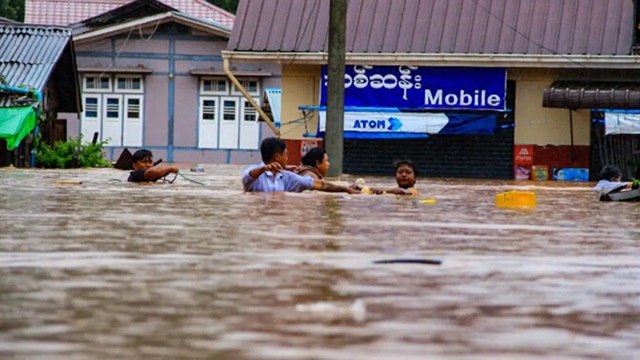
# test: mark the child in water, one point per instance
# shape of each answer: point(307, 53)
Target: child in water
point(406, 173)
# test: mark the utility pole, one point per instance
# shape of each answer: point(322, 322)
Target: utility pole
point(334, 132)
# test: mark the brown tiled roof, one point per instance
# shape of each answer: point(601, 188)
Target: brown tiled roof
point(534, 27)
point(65, 12)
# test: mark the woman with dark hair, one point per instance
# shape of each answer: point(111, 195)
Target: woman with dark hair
point(315, 163)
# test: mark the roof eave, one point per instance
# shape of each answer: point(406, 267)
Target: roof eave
point(479, 60)
point(154, 20)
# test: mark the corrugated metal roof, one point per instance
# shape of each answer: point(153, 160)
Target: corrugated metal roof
point(66, 12)
point(597, 27)
point(29, 53)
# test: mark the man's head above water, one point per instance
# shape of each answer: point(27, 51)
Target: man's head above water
point(142, 159)
point(273, 149)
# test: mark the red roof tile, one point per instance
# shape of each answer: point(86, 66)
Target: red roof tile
point(65, 12)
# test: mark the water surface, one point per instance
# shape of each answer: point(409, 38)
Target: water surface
point(109, 269)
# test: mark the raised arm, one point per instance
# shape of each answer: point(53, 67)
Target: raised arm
point(273, 167)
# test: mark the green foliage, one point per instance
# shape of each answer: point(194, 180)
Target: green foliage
point(70, 154)
point(229, 5)
point(12, 9)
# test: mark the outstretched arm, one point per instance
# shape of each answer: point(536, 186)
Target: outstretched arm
point(398, 191)
point(273, 167)
point(322, 185)
point(156, 172)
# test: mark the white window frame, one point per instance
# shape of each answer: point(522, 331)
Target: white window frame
point(85, 81)
point(245, 82)
point(128, 91)
point(214, 92)
point(243, 110)
point(123, 95)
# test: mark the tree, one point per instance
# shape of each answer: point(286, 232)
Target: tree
point(229, 5)
point(13, 9)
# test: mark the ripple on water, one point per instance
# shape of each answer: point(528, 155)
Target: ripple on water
point(109, 269)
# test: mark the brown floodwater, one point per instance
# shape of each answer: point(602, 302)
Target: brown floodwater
point(109, 269)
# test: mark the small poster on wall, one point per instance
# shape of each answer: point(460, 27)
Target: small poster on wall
point(521, 172)
point(306, 145)
point(522, 161)
point(540, 172)
point(571, 174)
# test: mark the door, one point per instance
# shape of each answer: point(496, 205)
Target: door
point(229, 123)
point(249, 126)
point(132, 124)
point(112, 120)
point(90, 122)
point(208, 123)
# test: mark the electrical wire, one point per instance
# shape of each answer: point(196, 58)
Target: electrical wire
point(306, 25)
point(513, 28)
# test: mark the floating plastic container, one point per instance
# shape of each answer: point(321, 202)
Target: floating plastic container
point(516, 199)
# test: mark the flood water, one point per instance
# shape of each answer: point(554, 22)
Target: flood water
point(109, 269)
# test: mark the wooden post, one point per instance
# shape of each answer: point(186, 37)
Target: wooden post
point(334, 134)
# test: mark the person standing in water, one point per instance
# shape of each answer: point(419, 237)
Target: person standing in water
point(145, 171)
point(271, 176)
point(406, 173)
point(315, 163)
point(610, 181)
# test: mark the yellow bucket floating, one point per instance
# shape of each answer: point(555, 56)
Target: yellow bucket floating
point(516, 199)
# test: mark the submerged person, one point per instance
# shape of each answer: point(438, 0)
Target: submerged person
point(315, 164)
point(271, 176)
point(610, 181)
point(145, 171)
point(406, 173)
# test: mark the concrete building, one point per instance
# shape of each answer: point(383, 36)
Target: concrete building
point(152, 76)
point(551, 55)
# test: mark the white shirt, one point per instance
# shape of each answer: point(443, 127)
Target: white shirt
point(606, 186)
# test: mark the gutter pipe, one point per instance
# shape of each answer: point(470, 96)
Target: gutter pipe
point(247, 96)
point(18, 90)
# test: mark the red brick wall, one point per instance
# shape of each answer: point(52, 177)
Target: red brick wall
point(559, 156)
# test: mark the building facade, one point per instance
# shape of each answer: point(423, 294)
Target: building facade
point(38, 81)
point(152, 76)
point(543, 47)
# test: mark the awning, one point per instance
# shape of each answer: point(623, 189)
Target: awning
point(244, 73)
point(116, 70)
point(16, 123)
point(272, 104)
point(592, 95)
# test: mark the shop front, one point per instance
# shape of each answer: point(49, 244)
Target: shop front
point(452, 121)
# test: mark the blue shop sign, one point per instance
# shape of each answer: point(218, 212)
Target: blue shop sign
point(412, 87)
